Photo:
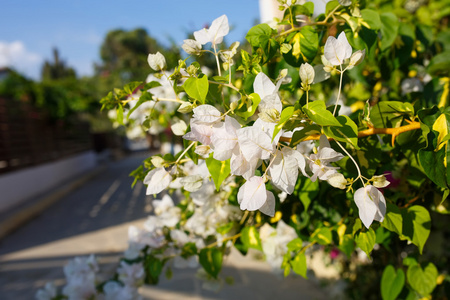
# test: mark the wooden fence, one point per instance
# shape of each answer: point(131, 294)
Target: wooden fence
point(28, 137)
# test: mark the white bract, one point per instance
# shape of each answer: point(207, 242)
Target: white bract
point(215, 33)
point(157, 180)
point(320, 162)
point(268, 92)
point(307, 73)
point(253, 194)
point(157, 61)
point(371, 204)
point(337, 50)
point(192, 47)
point(357, 57)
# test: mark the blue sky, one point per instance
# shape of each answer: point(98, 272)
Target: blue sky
point(30, 29)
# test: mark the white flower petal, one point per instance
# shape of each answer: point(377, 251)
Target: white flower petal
point(252, 194)
point(156, 61)
point(367, 200)
point(207, 114)
point(192, 183)
point(284, 170)
point(157, 180)
point(254, 143)
point(269, 207)
point(307, 73)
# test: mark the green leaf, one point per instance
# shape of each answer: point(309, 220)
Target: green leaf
point(306, 9)
point(189, 249)
point(153, 268)
point(131, 87)
point(250, 238)
point(286, 114)
point(322, 235)
point(305, 45)
point(389, 29)
point(390, 113)
point(417, 225)
point(299, 264)
point(300, 135)
point(225, 228)
point(197, 88)
point(295, 245)
point(219, 170)
point(393, 220)
point(120, 114)
point(308, 191)
point(211, 260)
point(371, 18)
point(422, 280)
point(347, 245)
point(248, 106)
point(392, 283)
point(150, 85)
point(254, 34)
point(319, 114)
point(366, 240)
point(347, 132)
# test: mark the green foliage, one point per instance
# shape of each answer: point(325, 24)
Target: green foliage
point(392, 283)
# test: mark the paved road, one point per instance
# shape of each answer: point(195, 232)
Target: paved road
point(95, 219)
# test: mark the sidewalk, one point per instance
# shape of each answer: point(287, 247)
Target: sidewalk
point(94, 218)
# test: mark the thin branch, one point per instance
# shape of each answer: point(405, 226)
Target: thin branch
point(371, 131)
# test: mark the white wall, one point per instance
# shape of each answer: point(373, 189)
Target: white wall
point(21, 185)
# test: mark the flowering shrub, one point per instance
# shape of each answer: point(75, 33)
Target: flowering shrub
point(304, 139)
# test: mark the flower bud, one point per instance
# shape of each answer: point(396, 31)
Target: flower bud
point(157, 161)
point(157, 61)
point(357, 57)
point(337, 180)
point(380, 181)
point(185, 107)
point(192, 47)
point(307, 73)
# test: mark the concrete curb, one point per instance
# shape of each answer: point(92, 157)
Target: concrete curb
point(17, 217)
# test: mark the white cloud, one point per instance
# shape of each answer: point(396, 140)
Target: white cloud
point(16, 56)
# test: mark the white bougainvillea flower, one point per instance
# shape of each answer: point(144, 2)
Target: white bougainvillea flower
point(157, 61)
point(371, 204)
point(224, 138)
point(192, 47)
point(163, 205)
point(192, 183)
point(215, 33)
point(207, 114)
point(253, 194)
point(320, 162)
point(200, 132)
point(307, 73)
point(179, 127)
point(284, 170)
point(241, 167)
point(337, 50)
point(254, 143)
point(157, 180)
point(268, 92)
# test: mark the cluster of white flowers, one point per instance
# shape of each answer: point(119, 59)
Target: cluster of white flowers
point(274, 243)
point(83, 275)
